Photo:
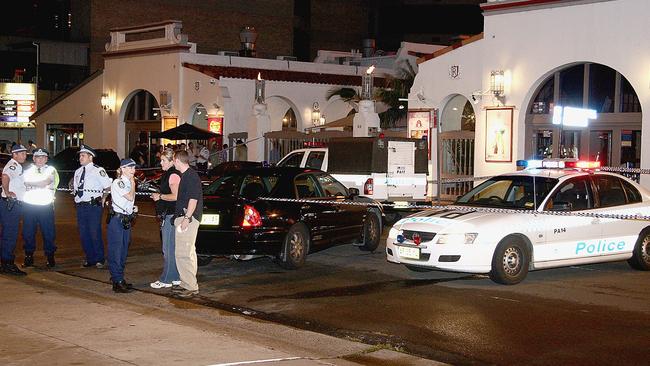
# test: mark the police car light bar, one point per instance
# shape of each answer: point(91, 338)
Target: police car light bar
point(560, 164)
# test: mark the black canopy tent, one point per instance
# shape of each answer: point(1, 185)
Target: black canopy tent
point(185, 131)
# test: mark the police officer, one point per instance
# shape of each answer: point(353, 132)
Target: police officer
point(13, 192)
point(119, 224)
point(91, 184)
point(41, 181)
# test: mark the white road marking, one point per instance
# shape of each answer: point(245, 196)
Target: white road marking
point(257, 361)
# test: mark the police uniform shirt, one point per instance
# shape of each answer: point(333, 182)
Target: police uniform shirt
point(40, 195)
point(204, 155)
point(95, 179)
point(16, 184)
point(119, 188)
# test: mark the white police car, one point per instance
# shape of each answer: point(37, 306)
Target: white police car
point(468, 237)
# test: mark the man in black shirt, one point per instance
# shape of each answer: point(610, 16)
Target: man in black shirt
point(189, 209)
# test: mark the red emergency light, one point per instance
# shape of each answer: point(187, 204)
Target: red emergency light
point(582, 164)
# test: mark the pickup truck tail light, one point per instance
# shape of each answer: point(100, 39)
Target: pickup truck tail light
point(252, 218)
point(368, 187)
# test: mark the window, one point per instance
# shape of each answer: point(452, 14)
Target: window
point(315, 159)
point(544, 98)
point(224, 186)
point(306, 186)
point(575, 192)
point(289, 121)
point(629, 100)
point(517, 192)
point(293, 160)
point(572, 86)
point(142, 107)
point(610, 190)
point(633, 195)
point(602, 83)
point(331, 187)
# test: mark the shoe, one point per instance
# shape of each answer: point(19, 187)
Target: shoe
point(186, 294)
point(121, 287)
point(99, 265)
point(50, 261)
point(86, 264)
point(12, 269)
point(176, 283)
point(159, 284)
point(29, 260)
point(177, 288)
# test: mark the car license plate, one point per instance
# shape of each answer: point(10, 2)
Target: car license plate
point(210, 219)
point(408, 252)
point(401, 204)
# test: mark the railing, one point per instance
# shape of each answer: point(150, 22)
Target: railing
point(457, 153)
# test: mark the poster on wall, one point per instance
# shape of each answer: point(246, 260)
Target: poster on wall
point(498, 134)
point(418, 122)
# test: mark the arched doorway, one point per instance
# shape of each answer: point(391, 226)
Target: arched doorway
point(289, 121)
point(613, 137)
point(142, 117)
point(458, 122)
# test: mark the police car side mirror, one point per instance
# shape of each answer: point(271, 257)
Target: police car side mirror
point(353, 192)
point(561, 206)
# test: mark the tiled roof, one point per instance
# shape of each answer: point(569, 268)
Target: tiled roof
point(281, 75)
point(442, 51)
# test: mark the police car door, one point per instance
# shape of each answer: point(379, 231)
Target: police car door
point(568, 237)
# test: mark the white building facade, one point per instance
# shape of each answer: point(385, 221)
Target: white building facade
point(541, 50)
point(149, 85)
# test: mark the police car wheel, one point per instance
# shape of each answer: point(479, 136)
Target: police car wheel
point(641, 255)
point(203, 260)
point(295, 248)
point(371, 232)
point(510, 262)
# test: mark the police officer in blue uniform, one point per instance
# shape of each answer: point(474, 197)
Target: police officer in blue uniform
point(91, 185)
point(41, 181)
point(121, 217)
point(13, 192)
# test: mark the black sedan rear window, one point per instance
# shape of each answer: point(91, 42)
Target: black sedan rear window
point(249, 186)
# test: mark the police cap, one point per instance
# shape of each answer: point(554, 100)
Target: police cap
point(87, 149)
point(41, 152)
point(18, 148)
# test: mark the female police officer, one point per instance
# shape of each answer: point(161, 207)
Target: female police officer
point(119, 225)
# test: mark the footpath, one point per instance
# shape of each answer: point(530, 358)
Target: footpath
point(49, 318)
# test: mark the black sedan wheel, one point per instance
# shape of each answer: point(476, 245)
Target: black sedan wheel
point(371, 232)
point(296, 247)
point(641, 255)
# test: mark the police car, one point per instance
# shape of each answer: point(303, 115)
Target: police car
point(547, 230)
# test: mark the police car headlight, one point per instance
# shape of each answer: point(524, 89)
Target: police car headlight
point(467, 238)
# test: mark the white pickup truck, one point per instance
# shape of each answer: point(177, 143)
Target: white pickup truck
point(385, 169)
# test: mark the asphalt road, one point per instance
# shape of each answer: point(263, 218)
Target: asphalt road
point(596, 314)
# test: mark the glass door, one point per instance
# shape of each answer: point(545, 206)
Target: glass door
point(600, 147)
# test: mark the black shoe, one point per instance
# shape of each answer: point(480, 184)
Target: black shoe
point(13, 270)
point(186, 294)
point(121, 287)
point(29, 260)
point(50, 261)
point(88, 264)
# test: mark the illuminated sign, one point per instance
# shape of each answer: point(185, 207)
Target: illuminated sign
point(17, 104)
point(215, 124)
point(571, 116)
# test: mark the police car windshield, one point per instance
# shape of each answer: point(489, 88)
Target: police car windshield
point(513, 192)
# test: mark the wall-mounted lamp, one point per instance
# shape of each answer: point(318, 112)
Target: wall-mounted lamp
point(165, 101)
point(315, 114)
point(497, 83)
point(106, 102)
point(259, 89)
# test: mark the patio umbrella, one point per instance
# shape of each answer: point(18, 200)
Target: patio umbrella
point(185, 131)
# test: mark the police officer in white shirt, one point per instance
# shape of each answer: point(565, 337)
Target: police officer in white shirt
point(13, 192)
point(41, 181)
point(202, 159)
point(118, 232)
point(91, 185)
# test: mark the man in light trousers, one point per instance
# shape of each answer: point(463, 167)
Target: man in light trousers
point(189, 209)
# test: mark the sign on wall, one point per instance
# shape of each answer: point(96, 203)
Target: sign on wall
point(215, 124)
point(418, 122)
point(498, 134)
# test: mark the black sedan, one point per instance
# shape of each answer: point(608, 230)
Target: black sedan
point(237, 222)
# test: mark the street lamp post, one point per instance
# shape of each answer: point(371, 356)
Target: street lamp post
point(38, 62)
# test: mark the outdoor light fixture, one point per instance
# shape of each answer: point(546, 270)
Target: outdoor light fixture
point(497, 83)
point(165, 101)
point(105, 102)
point(259, 89)
point(315, 114)
point(367, 83)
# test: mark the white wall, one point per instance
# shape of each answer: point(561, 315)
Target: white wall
point(529, 45)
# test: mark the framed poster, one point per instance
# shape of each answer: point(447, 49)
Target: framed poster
point(418, 123)
point(498, 134)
